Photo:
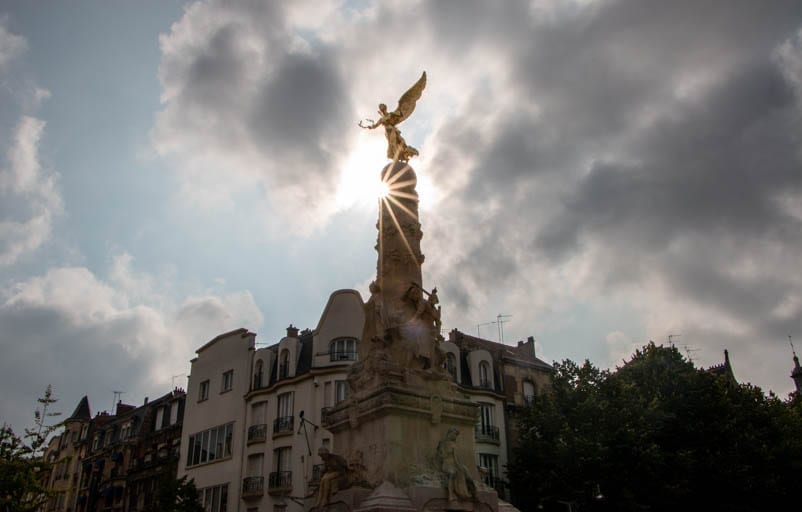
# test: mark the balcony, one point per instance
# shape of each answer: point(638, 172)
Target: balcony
point(253, 486)
point(279, 482)
point(347, 355)
point(487, 434)
point(317, 472)
point(257, 433)
point(324, 414)
point(283, 425)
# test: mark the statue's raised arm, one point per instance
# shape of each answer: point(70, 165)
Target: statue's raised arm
point(397, 148)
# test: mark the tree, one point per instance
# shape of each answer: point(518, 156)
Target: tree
point(22, 468)
point(656, 434)
point(175, 495)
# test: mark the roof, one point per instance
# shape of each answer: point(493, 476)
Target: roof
point(242, 331)
point(81, 412)
point(522, 353)
point(724, 369)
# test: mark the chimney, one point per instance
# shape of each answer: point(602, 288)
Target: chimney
point(292, 331)
point(146, 401)
point(531, 339)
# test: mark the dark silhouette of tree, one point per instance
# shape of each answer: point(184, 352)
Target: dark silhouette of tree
point(656, 434)
point(175, 495)
point(23, 471)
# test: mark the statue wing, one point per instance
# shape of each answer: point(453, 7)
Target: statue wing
point(406, 105)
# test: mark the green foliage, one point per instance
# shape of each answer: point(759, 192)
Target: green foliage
point(175, 495)
point(23, 470)
point(656, 434)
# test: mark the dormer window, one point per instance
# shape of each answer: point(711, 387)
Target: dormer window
point(258, 374)
point(343, 349)
point(485, 380)
point(284, 364)
point(451, 365)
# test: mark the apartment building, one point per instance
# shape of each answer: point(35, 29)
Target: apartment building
point(253, 414)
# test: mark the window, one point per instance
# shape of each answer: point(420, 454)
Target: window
point(486, 431)
point(486, 415)
point(159, 418)
point(214, 499)
point(210, 445)
point(228, 381)
point(284, 364)
point(340, 391)
point(529, 392)
point(258, 374)
point(255, 464)
point(490, 462)
point(284, 414)
point(451, 365)
point(484, 376)
point(125, 432)
point(343, 349)
point(204, 391)
point(174, 413)
point(281, 477)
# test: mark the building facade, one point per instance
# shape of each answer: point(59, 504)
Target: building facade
point(253, 416)
point(114, 462)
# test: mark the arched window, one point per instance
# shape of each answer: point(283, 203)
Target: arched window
point(485, 380)
point(284, 364)
point(258, 374)
point(451, 364)
point(343, 349)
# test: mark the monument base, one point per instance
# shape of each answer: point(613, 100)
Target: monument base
point(418, 498)
point(391, 433)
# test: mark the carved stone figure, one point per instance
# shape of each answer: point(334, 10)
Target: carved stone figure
point(374, 314)
point(397, 148)
point(334, 478)
point(459, 482)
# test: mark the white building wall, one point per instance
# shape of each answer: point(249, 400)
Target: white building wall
point(230, 351)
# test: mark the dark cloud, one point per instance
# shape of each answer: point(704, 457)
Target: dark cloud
point(648, 141)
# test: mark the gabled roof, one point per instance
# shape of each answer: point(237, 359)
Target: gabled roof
point(82, 410)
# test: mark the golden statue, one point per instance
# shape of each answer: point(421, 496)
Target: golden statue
point(397, 149)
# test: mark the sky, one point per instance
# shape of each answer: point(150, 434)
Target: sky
point(604, 172)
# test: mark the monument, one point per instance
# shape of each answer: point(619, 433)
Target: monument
point(400, 429)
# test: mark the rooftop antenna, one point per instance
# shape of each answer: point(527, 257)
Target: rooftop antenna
point(175, 377)
point(118, 395)
point(671, 338)
point(500, 321)
point(482, 325)
point(689, 352)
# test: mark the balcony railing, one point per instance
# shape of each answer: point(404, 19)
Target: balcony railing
point(487, 434)
point(253, 486)
point(345, 355)
point(279, 481)
point(257, 433)
point(317, 472)
point(324, 414)
point(283, 425)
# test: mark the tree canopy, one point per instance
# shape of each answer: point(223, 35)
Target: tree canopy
point(655, 434)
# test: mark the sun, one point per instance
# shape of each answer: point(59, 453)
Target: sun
point(360, 184)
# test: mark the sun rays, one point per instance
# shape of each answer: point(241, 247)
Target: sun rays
point(394, 192)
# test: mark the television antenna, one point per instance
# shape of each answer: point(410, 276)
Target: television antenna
point(689, 351)
point(482, 325)
point(118, 395)
point(175, 377)
point(671, 338)
point(500, 320)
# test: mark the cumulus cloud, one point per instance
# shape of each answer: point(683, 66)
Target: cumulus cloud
point(11, 45)
point(628, 155)
point(125, 332)
point(29, 195)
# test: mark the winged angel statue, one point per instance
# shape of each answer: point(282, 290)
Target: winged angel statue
point(397, 148)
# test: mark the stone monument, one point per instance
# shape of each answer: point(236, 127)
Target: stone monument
point(405, 423)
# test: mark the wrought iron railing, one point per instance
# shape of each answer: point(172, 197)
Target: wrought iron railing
point(283, 425)
point(487, 433)
point(257, 433)
point(253, 486)
point(280, 480)
point(343, 355)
